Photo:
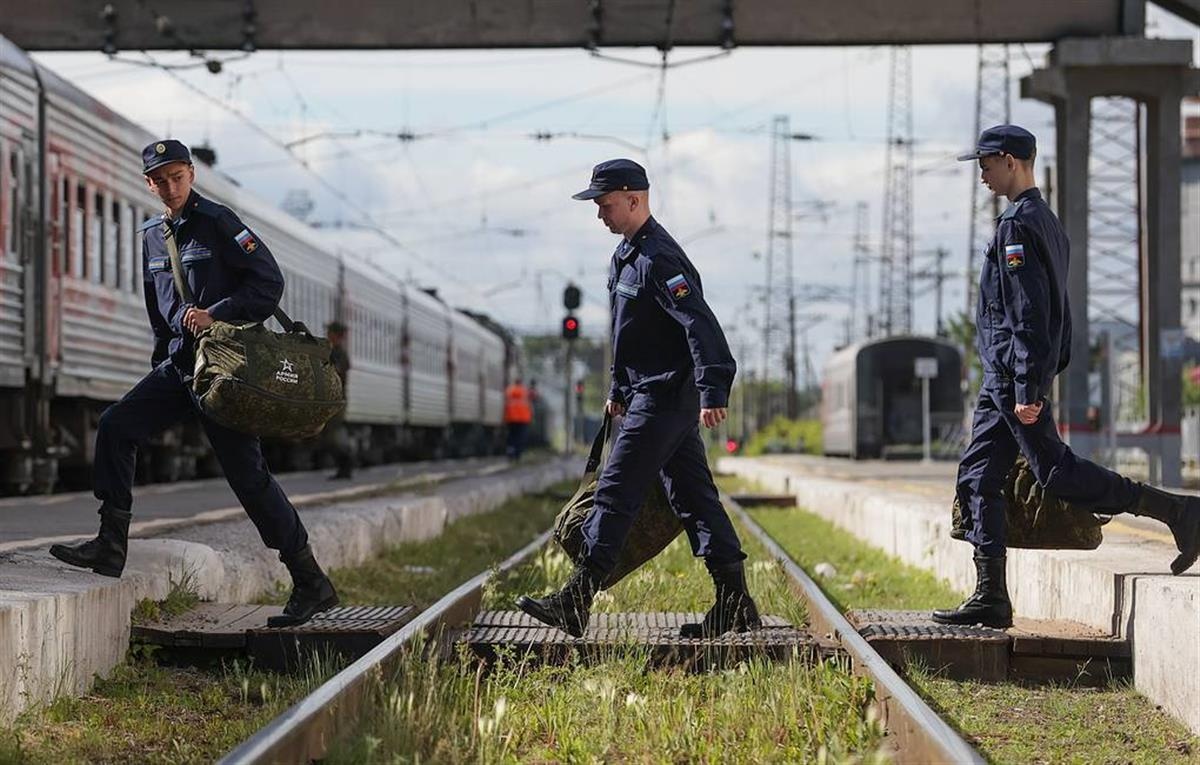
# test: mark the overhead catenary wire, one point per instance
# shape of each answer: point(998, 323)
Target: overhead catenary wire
point(341, 196)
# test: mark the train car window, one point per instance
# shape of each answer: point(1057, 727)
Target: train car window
point(78, 221)
point(111, 241)
point(94, 262)
point(62, 247)
point(133, 250)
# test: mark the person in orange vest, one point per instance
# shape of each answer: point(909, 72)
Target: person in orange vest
point(518, 412)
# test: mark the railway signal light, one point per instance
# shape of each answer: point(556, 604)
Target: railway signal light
point(571, 297)
point(570, 327)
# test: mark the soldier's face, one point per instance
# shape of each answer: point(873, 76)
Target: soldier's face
point(996, 172)
point(172, 183)
point(616, 210)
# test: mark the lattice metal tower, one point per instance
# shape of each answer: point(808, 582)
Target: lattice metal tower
point(993, 106)
point(861, 322)
point(779, 297)
point(896, 245)
point(1114, 242)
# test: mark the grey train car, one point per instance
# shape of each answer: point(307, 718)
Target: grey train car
point(871, 397)
point(427, 380)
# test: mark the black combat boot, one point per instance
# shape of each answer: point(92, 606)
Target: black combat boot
point(312, 592)
point(734, 609)
point(569, 608)
point(989, 604)
point(1181, 513)
point(106, 553)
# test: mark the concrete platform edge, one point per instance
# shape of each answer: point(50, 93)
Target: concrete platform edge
point(1124, 587)
point(62, 627)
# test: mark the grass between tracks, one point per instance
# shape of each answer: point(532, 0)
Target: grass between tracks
point(145, 712)
point(1008, 723)
point(616, 709)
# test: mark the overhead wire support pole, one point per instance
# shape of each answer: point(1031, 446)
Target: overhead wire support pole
point(896, 245)
point(779, 249)
point(860, 287)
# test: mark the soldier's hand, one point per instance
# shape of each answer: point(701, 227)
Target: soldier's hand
point(614, 408)
point(196, 319)
point(1028, 413)
point(711, 418)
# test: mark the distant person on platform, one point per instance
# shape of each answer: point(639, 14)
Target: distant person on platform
point(336, 436)
point(672, 372)
point(1023, 325)
point(234, 278)
point(518, 413)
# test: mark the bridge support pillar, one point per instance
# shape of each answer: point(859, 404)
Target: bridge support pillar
point(1157, 74)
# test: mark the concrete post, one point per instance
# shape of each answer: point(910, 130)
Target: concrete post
point(1073, 121)
point(1160, 308)
point(1158, 73)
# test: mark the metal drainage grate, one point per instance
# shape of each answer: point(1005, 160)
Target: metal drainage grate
point(383, 620)
point(917, 625)
point(495, 632)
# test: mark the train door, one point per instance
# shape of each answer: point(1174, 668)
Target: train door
point(16, 256)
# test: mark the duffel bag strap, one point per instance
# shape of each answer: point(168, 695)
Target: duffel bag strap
point(181, 285)
point(597, 452)
point(185, 292)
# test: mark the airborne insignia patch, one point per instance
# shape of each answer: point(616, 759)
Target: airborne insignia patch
point(1014, 256)
point(678, 287)
point(245, 240)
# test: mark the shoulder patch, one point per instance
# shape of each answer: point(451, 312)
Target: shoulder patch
point(246, 241)
point(1014, 256)
point(678, 287)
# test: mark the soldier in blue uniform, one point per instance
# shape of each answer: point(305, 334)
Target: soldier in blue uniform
point(233, 277)
point(1023, 325)
point(672, 371)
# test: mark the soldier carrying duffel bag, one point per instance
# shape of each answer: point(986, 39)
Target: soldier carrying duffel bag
point(208, 334)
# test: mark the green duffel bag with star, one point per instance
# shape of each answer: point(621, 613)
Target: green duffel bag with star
point(259, 382)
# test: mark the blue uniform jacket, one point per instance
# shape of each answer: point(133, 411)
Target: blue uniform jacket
point(228, 268)
point(1023, 318)
point(664, 335)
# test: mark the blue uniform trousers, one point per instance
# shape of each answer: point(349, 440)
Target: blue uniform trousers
point(163, 399)
point(659, 441)
point(996, 438)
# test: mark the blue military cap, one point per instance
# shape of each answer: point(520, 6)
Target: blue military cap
point(615, 175)
point(1003, 139)
point(164, 152)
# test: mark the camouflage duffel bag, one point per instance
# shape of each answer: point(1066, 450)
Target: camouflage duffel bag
point(655, 526)
point(1037, 520)
point(259, 382)
point(264, 383)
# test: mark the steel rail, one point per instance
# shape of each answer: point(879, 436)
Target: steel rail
point(920, 734)
point(304, 732)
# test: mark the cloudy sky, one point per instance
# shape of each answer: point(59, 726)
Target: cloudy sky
point(478, 207)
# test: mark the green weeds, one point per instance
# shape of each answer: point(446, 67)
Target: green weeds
point(616, 709)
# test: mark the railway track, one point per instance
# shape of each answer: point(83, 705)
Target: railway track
point(305, 732)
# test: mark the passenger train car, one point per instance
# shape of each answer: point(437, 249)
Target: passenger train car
point(871, 397)
point(425, 379)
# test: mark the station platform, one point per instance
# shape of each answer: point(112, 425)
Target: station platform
point(62, 626)
point(1124, 589)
